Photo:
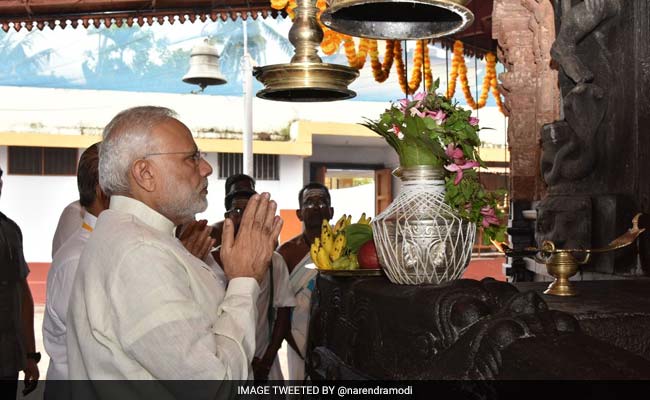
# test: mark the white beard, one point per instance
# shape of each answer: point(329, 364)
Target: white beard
point(183, 202)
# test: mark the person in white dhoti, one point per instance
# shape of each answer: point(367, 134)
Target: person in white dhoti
point(315, 205)
point(273, 305)
point(142, 306)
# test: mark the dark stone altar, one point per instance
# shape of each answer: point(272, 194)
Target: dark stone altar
point(369, 328)
point(594, 159)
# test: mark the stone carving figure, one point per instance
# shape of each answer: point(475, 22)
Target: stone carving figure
point(565, 220)
point(577, 22)
point(569, 146)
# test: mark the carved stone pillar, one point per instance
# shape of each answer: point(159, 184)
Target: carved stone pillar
point(525, 31)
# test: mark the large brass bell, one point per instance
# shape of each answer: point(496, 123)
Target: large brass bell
point(398, 19)
point(204, 67)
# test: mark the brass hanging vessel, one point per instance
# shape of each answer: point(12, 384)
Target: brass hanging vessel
point(398, 19)
point(204, 67)
point(306, 78)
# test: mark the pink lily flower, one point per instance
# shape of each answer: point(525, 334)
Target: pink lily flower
point(439, 116)
point(455, 154)
point(414, 111)
point(489, 216)
point(398, 132)
point(419, 96)
point(459, 169)
point(403, 103)
point(473, 121)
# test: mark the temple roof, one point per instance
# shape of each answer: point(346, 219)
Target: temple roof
point(30, 14)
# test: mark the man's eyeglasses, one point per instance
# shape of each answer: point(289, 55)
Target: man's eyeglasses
point(195, 156)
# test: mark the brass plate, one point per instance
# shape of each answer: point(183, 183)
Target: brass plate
point(347, 272)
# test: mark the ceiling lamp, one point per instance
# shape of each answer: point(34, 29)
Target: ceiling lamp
point(204, 67)
point(306, 78)
point(398, 19)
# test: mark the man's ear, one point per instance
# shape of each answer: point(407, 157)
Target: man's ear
point(143, 174)
point(101, 197)
point(331, 212)
point(299, 214)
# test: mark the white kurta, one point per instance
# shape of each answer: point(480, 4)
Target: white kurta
point(69, 222)
point(302, 283)
point(143, 307)
point(282, 297)
point(59, 284)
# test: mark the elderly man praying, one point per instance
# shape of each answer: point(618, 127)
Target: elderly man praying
point(142, 306)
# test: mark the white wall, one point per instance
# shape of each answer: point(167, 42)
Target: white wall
point(353, 201)
point(35, 203)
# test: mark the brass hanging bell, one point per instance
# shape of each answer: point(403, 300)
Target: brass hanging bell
point(204, 67)
point(398, 19)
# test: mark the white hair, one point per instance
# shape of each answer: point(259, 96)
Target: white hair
point(126, 139)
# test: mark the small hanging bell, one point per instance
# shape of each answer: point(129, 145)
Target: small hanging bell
point(397, 19)
point(204, 67)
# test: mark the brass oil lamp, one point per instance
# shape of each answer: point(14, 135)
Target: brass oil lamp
point(562, 264)
point(306, 78)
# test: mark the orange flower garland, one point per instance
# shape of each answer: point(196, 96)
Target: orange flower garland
point(393, 55)
point(459, 69)
point(381, 71)
point(416, 74)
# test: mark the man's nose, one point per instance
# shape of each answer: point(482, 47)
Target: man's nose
point(205, 168)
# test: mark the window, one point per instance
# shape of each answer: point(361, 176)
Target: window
point(25, 160)
point(266, 167)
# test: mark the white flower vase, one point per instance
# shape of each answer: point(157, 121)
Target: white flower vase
point(419, 238)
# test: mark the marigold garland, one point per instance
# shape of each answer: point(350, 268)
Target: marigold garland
point(381, 71)
point(416, 73)
point(459, 70)
point(393, 55)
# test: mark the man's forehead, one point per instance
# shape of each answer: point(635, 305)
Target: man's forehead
point(173, 131)
point(314, 192)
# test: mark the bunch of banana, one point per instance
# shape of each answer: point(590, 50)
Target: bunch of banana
point(327, 250)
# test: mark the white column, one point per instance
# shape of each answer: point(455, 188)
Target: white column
point(247, 133)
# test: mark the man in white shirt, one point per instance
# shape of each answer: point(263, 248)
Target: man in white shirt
point(64, 266)
point(69, 221)
point(274, 304)
point(143, 307)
